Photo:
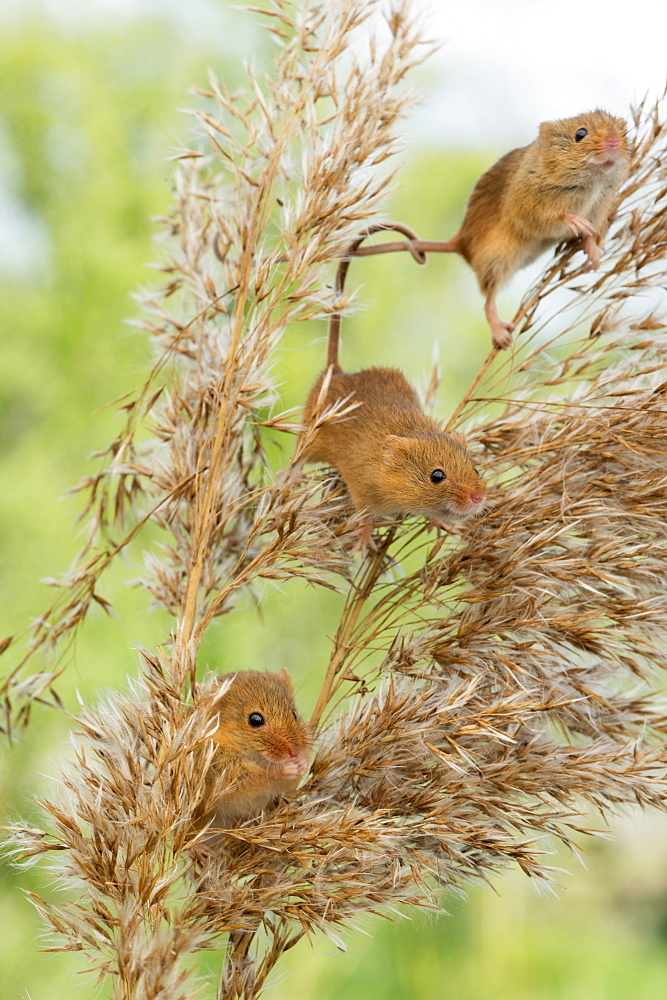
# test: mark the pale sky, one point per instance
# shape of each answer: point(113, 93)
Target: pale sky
point(506, 65)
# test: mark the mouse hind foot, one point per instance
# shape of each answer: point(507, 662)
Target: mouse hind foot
point(592, 251)
point(501, 331)
point(365, 539)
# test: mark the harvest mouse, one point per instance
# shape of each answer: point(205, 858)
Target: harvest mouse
point(263, 744)
point(559, 188)
point(392, 458)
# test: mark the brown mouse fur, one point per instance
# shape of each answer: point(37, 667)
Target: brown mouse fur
point(255, 764)
point(559, 188)
point(387, 448)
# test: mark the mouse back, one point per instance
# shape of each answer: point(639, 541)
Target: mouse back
point(482, 211)
point(386, 403)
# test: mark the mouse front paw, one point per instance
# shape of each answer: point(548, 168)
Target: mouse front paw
point(438, 524)
point(579, 225)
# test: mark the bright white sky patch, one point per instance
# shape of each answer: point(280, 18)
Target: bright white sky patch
point(504, 65)
point(507, 65)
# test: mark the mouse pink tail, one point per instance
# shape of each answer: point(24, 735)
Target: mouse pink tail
point(439, 246)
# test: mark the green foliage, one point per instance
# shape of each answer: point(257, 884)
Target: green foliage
point(88, 120)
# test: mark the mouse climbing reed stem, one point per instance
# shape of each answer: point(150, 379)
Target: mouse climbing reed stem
point(393, 458)
point(371, 572)
point(559, 188)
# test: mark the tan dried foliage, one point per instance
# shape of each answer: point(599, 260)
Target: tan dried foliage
point(486, 687)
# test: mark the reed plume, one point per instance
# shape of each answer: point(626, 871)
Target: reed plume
point(488, 689)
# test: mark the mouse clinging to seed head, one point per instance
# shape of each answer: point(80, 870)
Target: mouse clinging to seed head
point(392, 457)
point(262, 743)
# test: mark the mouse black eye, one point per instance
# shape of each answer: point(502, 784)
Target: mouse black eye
point(438, 476)
point(580, 133)
point(256, 719)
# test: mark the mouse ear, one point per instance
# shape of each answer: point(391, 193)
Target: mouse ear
point(395, 443)
point(457, 438)
point(286, 679)
point(546, 129)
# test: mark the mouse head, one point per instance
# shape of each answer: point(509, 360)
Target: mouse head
point(433, 475)
point(258, 720)
point(593, 143)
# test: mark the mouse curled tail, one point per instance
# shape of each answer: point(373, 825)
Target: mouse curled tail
point(332, 366)
point(414, 246)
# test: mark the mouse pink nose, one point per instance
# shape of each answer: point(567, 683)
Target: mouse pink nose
point(476, 498)
point(612, 142)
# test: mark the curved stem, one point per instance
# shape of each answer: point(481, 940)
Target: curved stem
point(348, 622)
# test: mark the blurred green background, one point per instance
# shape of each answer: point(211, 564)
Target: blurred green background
point(88, 117)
